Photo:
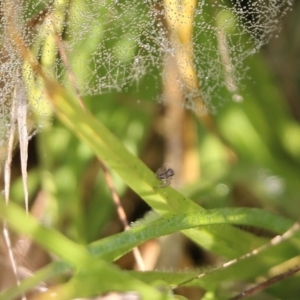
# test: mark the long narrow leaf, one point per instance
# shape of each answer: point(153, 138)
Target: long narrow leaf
point(230, 242)
point(51, 270)
point(115, 246)
point(89, 269)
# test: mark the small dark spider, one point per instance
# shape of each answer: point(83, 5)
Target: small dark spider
point(165, 175)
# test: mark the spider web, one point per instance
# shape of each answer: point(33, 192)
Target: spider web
point(120, 46)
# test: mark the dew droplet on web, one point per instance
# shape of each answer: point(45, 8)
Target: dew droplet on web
point(237, 98)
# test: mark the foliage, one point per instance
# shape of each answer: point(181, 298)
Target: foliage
point(132, 64)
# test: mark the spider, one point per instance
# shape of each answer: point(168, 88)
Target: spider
point(165, 175)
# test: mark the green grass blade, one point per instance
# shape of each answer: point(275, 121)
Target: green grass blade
point(230, 242)
point(48, 238)
point(94, 275)
point(101, 278)
point(91, 266)
point(117, 245)
point(46, 273)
